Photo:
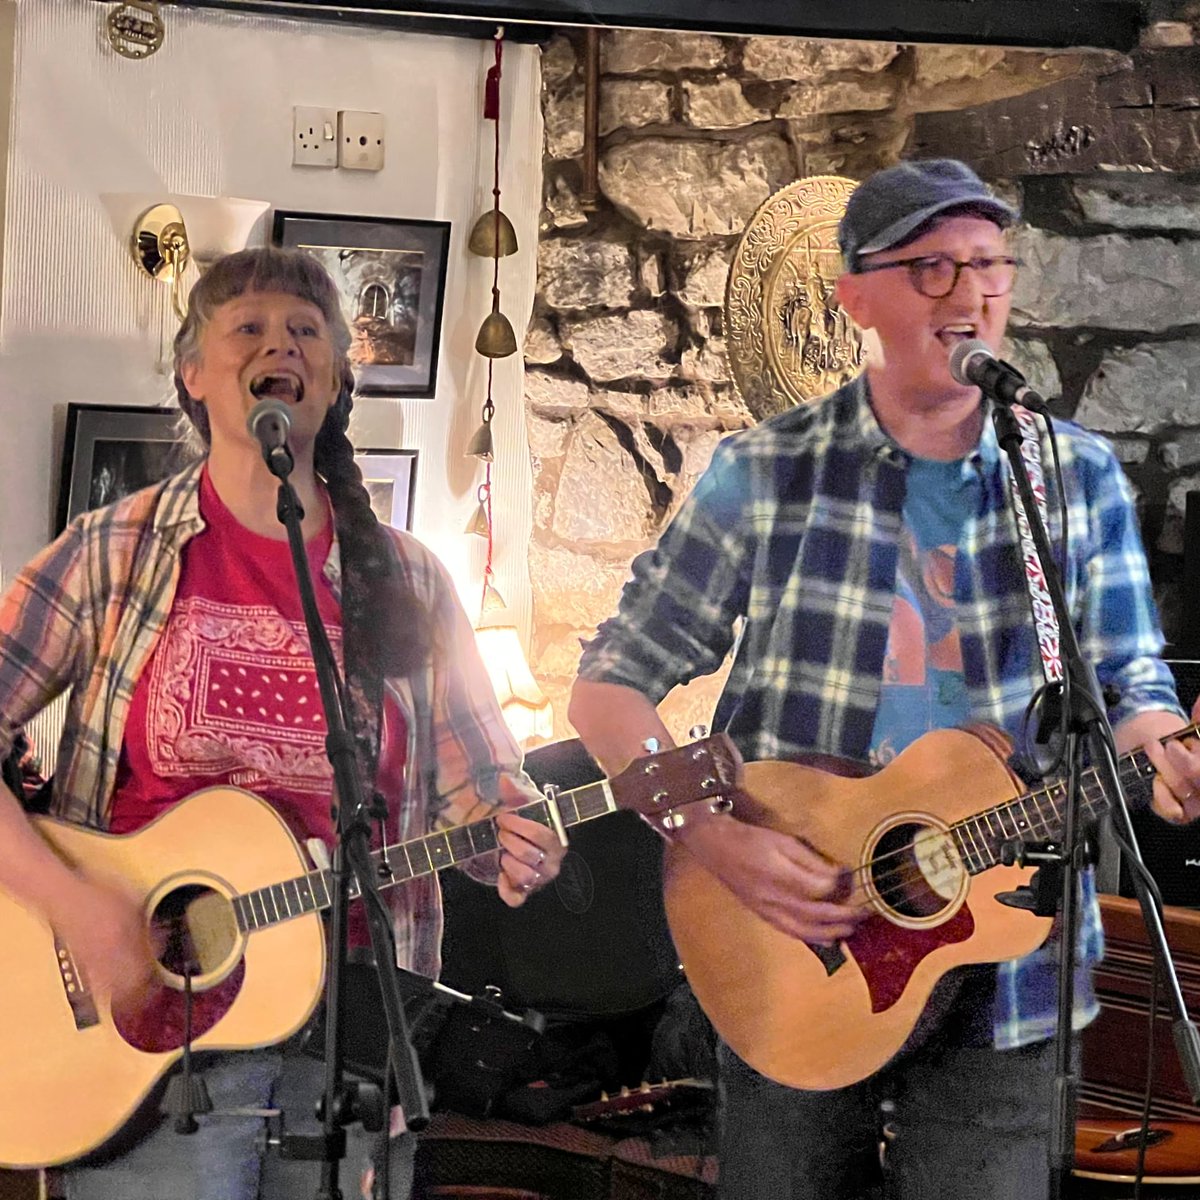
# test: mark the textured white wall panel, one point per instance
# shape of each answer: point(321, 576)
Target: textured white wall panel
point(211, 113)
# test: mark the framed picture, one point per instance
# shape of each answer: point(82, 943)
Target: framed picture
point(390, 477)
point(391, 274)
point(110, 450)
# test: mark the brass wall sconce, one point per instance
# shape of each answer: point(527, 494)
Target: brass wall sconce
point(179, 230)
point(160, 248)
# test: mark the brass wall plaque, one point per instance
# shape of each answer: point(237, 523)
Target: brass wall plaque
point(789, 341)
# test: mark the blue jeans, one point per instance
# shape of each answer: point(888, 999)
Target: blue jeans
point(963, 1123)
point(225, 1159)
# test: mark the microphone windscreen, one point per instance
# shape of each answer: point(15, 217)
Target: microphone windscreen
point(961, 356)
point(269, 417)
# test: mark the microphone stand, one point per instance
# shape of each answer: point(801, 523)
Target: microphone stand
point(344, 1103)
point(1087, 729)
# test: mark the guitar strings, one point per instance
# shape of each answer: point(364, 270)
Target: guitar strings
point(909, 872)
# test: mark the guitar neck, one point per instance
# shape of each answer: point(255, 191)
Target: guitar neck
point(1039, 816)
point(412, 859)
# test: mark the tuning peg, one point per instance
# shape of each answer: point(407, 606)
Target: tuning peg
point(698, 733)
point(624, 1091)
point(651, 745)
point(603, 1097)
point(645, 1087)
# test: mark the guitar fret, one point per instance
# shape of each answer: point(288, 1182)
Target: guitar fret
point(437, 846)
point(459, 840)
point(400, 868)
point(964, 851)
point(299, 899)
point(239, 911)
point(987, 840)
point(270, 895)
point(280, 893)
point(483, 836)
point(1008, 837)
point(256, 910)
point(304, 888)
point(424, 864)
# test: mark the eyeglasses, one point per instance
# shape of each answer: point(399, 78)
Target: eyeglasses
point(936, 275)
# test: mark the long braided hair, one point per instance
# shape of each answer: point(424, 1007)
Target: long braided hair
point(386, 631)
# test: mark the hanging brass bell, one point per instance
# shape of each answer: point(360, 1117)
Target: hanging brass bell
point(478, 524)
point(496, 338)
point(492, 237)
point(480, 444)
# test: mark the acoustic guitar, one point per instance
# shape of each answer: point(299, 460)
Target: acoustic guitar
point(924, 839)
point(1108, 1150)
point(225, 886)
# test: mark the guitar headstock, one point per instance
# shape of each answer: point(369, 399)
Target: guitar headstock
point(644, 1099)
point(700, 770)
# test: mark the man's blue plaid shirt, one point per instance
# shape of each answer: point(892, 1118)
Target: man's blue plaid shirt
point(791, 537)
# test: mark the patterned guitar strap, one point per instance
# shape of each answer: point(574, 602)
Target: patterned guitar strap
point(1045, 620)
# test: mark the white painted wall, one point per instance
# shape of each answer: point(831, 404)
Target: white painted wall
point(211, 113)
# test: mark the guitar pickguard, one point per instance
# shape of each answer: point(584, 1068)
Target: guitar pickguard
point(158, 1026)
point(887, 954)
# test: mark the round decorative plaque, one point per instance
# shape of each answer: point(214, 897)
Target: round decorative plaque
point(788, 339)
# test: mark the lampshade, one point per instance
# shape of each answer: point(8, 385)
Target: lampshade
point(527, 712)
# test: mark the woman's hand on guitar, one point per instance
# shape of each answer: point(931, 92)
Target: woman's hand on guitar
point(107, 935)
point(530, 857)
point(778, 877)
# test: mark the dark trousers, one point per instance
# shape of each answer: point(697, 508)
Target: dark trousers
point(962, 1123)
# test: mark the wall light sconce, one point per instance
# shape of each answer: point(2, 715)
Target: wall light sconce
point(169, 231)
point(160, 248)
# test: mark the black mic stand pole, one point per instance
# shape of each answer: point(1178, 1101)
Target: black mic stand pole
point(1087, 728)
point(344, 1104)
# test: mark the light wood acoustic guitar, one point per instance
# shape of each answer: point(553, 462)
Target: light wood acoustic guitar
point(1108, 1150)
point(923, 839)
point(225, 886)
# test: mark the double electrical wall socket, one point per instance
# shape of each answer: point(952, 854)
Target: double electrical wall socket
point(360, 140)
point(314, 137)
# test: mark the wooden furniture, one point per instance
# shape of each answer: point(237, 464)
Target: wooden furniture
point(1114, 1046)
point(1114, 1063)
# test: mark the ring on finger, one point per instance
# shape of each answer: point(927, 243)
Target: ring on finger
point(541, 858)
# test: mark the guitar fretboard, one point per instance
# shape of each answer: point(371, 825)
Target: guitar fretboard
point(1040, 816)
point(412, 859)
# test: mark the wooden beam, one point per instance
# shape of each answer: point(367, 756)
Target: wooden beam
point(1145, 115)
point(1050, 24)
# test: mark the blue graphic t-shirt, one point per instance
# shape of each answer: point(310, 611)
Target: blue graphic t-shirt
point(923, 686)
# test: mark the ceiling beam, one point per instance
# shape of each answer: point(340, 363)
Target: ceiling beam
point(1049, 24)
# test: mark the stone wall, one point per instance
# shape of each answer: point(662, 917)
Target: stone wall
point(627, 383)
point(1109, 305)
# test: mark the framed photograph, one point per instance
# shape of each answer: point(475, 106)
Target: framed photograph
point(390, 477)
point(391, 274)
point(110, 450)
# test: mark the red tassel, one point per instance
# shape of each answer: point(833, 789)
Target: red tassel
point(491, 94)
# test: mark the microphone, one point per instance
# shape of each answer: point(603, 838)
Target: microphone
point(974, 362)
point(269, 423)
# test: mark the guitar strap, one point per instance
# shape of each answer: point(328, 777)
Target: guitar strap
point(1045, 620)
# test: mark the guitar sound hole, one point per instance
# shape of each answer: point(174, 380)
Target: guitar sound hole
point(916, 870)
point(195, 929)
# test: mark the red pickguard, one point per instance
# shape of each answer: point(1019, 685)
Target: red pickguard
point(158, 1026)
point(887, 955)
